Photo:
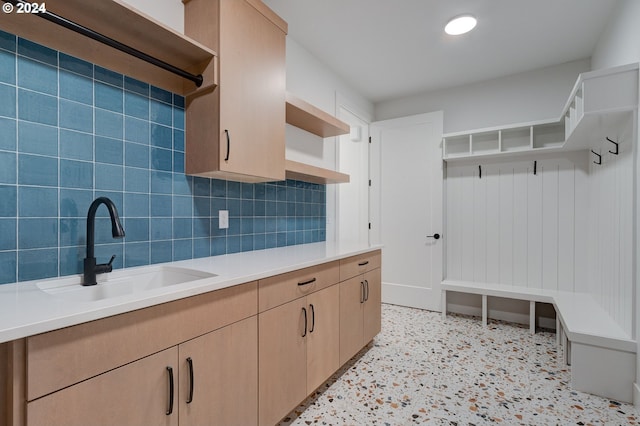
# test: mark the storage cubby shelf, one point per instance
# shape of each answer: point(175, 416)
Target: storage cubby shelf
point(307, 173)
point(599, 102)
point(307, 117)
point(125, 24)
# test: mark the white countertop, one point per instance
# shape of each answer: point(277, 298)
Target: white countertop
point(26, 310)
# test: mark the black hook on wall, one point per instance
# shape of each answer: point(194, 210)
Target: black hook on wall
point(599, 157)
point(617, 147)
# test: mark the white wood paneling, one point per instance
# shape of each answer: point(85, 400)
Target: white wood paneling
point(611, 225)
point(516, 228)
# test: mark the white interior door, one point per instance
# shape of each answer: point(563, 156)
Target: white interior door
point(353, 197)
point(407, 208)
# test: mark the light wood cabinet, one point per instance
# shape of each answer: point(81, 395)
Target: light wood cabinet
point(242, 355)
point(298, 347)
point(237, 131)
point(219, 376)
point(360, 303)
point(135, 394)
point(103, 372)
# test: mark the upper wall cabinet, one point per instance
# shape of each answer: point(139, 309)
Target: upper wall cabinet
point(237, 132)
point(599, 101)
point(118, 21)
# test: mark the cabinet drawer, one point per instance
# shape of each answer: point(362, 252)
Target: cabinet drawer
point(356, 265)
point(280, 289)
point(61, 358)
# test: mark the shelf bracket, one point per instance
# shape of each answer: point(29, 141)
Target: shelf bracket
point(599, 157)
point(617, 151)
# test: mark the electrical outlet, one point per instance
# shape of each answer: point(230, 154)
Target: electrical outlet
point(223, 219)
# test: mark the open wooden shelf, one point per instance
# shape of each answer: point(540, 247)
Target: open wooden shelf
point(307, 117)
point(121, 22)
point(307, 173)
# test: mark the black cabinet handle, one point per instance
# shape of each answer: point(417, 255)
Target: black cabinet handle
point(366, 262)
point(304, 310)
point(312, 280)
point(190, 398)
point(228, 145)
point(170, 406)
point(366, 287)
point(361, 291)
point(313, 318)
point(434, 236)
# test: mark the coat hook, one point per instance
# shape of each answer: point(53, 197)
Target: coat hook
point(535, 168)
point(599, 157)
point(616, 144)
point(480, 172)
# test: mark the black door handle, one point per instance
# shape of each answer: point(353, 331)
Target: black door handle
point(190, 398)
point(304, 310)
point(313, 318)
point(228, 145)
point(170, 405)
point(434, 236)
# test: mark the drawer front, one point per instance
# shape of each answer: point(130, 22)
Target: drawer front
point(356, 265)
point(280, 289)
point(61, 358)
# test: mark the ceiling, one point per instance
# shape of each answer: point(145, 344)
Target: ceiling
point(388, 49)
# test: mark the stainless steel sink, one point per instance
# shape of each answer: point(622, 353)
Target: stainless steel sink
point(120, 283)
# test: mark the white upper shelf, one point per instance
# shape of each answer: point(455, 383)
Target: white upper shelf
point(598, 103)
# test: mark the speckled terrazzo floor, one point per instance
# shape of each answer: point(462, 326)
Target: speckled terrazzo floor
point(423, 370)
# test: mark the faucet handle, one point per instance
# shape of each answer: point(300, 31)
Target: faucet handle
point(111, 261)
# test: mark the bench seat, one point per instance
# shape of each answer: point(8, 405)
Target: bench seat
point(601, 354)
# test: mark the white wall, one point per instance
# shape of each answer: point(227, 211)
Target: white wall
point(619, 43)
point(169, 12)
point(309, 79)
point(529, 96)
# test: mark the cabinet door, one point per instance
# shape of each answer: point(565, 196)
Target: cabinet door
point(351, 313)
point(135, 394)
point(373, 305)
point(282, 364)
point(323, 339)
point(252, 92)
point(224, 367)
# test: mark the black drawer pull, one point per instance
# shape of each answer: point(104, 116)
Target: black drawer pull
point(304, 310)
point(228, 145)
point(190, 362)
point(312, 280)
point(366, 262)
point(313, 318)
point(170, 406)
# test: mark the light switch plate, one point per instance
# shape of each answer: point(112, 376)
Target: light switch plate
point(223, 219)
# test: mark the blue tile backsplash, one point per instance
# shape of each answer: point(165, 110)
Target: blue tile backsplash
point(71, 131)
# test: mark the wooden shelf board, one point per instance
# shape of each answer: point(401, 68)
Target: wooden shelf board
point(307, 117)
point(123, 23)
point(307, 173)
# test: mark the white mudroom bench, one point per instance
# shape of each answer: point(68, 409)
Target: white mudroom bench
point(602, 355)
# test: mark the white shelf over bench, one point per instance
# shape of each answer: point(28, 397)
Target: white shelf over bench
point(602, 354)
point(598, 102)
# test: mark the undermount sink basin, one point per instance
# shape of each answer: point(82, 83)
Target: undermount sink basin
point(120, 283)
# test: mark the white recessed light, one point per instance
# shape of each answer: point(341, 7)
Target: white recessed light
point(460, 25)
